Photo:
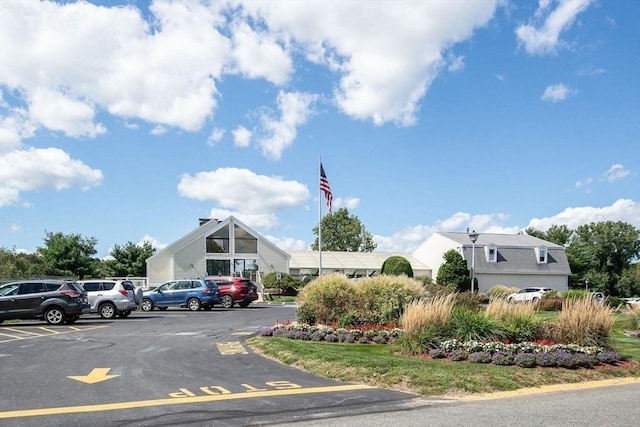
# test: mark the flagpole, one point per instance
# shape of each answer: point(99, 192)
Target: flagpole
point(319, 220)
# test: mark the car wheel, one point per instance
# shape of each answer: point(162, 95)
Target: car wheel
point(194, 304)
point(124, 314)
point(147, 304)
point(107, 311)
point(244, 304)
point(54, 316)
point(227, 301)
point(73, 319)
point(511, 300)
point(535, 299)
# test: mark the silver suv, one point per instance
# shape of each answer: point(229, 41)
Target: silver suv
point(111, 298)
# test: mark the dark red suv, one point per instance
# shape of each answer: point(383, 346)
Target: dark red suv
point(235, 290)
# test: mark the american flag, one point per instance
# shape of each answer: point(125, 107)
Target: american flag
point(324, 186)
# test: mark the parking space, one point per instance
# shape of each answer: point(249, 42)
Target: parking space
point(24, 331)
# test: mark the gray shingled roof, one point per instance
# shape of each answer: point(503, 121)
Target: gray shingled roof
point(515, 253)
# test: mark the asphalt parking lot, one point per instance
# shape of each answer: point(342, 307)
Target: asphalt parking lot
point(174, 367)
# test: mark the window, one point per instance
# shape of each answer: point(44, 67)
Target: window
point(218, 242)
point(491, 253)
point(541, 254)
point(245, 243)
point(31, 288)
point(107, 286)
point(218, 267)
point(245, 266)
point(91, 286)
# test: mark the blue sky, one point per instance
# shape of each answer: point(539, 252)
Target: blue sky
point(129, 120)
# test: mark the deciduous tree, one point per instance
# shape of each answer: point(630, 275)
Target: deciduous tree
point(343, 232)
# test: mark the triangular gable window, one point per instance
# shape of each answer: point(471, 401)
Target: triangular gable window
point(218, 242)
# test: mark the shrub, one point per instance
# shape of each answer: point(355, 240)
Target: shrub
point(545, 359)
point(479, 357)
point(574, 293)
point(437, 353)
point(397, 265)
point(458, 355)
point(550, 304)
point(326, 299)
point(503, 358)
point(525, 360)
point(518, 320)
point(609, 357)
point(467, 325)
point(382, 299)
point(331, 338)
point(585, 322)
point(270, 281)
point(265, 331)
point(469, 300)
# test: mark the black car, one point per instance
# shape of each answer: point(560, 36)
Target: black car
point(54, 301)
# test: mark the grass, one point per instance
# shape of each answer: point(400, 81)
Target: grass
point(383, 366)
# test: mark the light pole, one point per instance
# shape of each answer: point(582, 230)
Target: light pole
point(473, 236)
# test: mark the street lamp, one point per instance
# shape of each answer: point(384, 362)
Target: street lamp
point(473, 236)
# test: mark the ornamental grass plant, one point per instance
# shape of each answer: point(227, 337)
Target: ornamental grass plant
point(583, 321)
point(425, 322)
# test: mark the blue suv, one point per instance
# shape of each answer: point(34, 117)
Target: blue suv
point(191, 293)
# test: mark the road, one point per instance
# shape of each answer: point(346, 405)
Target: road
point(177, 367)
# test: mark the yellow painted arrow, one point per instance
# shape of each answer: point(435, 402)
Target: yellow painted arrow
point(95, 376)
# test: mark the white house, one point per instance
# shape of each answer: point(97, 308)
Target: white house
point(516, 260)
point(216, 248)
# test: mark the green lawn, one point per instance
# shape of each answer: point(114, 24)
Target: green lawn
point(383, 366)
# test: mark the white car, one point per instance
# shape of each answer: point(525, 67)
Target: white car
point(528, 294)
point(111, 298)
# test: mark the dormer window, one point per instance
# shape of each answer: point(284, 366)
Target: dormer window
point(541, 254)
point(491, 253)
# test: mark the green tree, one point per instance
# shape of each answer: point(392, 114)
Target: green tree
point(18, 264)
point(603, 252)
point(397, 265)
point(129, 260)
point(629, 284)
point(558, 234)
point(343, 232)
point(69, 255)
point(454, 271)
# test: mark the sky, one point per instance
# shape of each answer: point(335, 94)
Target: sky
point(127, 121)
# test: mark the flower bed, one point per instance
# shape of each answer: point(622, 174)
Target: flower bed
point(526, 354)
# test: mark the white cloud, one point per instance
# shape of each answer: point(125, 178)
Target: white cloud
point(241, 136)
point(408, 239)
point(258, 54)
point(540, 38)
point(584, 183)
point(244, 193)
point(215, 136)
point(60, 112)
point(346, 202)
point(295, 109)
point(288, 243)
point(267, 221)
point(21, 170)
point(155, 243)
point(456, 63)
point(369, 50)
point(557, 92)
point(14, 127)
point(624, 210)
point(615, 173)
